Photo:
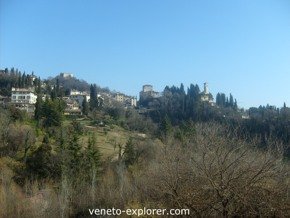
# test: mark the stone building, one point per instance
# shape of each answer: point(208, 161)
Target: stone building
point(66, 75)
point(148, 92)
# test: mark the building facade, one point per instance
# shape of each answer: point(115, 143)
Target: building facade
point(127, 101)
point(79, 96)
point(23, 99)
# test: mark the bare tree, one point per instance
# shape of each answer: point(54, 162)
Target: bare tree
point(20, 138)
point(220, 175)
point(4, 131)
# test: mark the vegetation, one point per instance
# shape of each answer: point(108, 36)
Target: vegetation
point(17, 79)
point(182, 152)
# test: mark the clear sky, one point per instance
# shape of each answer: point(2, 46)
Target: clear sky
point(238, 46)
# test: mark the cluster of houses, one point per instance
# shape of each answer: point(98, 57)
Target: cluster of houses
point(25, 99)
point(127, 101)
point(74, 102)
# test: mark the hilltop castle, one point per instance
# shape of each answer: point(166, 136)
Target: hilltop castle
point(148, 92)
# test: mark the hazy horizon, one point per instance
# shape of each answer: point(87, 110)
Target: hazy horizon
point(240, 47)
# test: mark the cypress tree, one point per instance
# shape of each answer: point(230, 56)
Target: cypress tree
point(57, 87)
point(218, 99)
point(51, 113)
point(231, 103)
point(85, 108)
point(23, 80)
point(93, 157)
point(38, 108)
point(93, 97)
point(235, 105)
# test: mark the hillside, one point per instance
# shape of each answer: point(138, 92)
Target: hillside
point(178, 149)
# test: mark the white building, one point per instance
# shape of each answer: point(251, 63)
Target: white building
point(127, 101)
point(120, 97)
point(23, 99)
point(79, 96)
point(76, 92)
point(134, 102)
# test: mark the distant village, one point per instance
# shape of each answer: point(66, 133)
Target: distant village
point(25, 98)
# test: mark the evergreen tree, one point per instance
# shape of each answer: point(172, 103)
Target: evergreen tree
point(23, 79)
point(182, 91)
point(93, 157)
point(51, 113)
point(166, 126)
point(92, 151)
point(85, 107)
point(38, 108)
point(74, 145)
point(223, 100)
point(37, 84)
point(231, 103)
point(218, 99)
point(12, 71)
point(93, 97)
point(53, 93)
point(19, 81)
point(235, 105)
point(129, 153)
point(57, 87)
point(40, 164)
point(74, 159)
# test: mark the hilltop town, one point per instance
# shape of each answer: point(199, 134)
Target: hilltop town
point(74, 98)
point(26, 98)
point(66, 146)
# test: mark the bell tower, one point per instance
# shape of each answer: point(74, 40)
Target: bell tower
point(205, 88)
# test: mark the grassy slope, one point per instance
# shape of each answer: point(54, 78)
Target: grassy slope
point(108, 138)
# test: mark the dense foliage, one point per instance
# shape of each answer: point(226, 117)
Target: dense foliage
point(17, 79)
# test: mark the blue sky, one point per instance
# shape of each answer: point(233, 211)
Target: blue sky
point(240, 47)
